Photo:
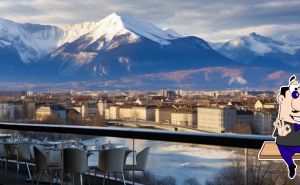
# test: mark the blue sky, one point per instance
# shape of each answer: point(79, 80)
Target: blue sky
point(210, 19)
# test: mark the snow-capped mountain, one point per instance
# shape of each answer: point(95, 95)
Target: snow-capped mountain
point(121, 51)
point(257, 50)
point(121, 45)
point(114, 25)
point(92, 37)
point(31, 41)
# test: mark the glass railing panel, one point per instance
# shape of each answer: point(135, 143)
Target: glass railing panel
point(53, 145)
point(167, 162)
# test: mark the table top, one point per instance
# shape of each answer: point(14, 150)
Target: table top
point(270, 151)
point(103, 147)
point(31, 142)
point(5, 136)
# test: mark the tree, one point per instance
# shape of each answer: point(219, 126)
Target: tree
point(52, 119)
point(98, 120)
point(191, 181)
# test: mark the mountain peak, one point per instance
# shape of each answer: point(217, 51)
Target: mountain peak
point(254, 45)
point(141, 27)
point(114, 18)
point(117, 24)
point(254, 34)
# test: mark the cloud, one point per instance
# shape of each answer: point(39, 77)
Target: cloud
point(209, 19)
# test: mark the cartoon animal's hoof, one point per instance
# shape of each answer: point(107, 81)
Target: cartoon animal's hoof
point(292, 171)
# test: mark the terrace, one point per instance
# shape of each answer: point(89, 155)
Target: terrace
point(179, 156)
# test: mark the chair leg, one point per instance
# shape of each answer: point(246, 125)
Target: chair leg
point(103, 179)
point(62, 177)
point(5, 166)
point(18, 168)
point(95, 177)
point(39, 177)
point(123, 178)
point(89, 177)
point(108, 176)
point(81, 181)
point(51, 177)
point(28, 170)
point(1, 166)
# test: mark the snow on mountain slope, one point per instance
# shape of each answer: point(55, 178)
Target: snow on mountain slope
point(32, 41)
point(172, 33)
point(115, 25)
point(260, 45)
point(291, 38)
point(215, 45)
point(4, 43)
point(82, 43)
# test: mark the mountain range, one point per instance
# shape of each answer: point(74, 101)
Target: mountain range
point(123, 52)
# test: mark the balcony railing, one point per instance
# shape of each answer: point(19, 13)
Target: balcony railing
point(223, 140)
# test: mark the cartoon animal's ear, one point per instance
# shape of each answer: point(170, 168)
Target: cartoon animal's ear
point(293, 77)
point(280, 98)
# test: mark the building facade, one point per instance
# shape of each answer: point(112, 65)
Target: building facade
point(163, 115)
point(215, 119)
point(114, 112)
point(125, 112)
point(146, 113)
point(184, 118)
point(51, 113)
point(263, 121)
point(17, 110)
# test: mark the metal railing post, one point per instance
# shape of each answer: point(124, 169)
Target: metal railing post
point(246, 167)
point(133, 160)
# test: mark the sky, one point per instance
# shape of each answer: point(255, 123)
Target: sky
point(212, 20)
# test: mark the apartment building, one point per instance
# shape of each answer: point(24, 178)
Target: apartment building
point(17, 110)
point(87, 110)
point(146, 113)
point(126, 112)
point(263, 121)
point(114, 112)
point(216, 119)
point(101, 107)
point(244, 117)
point(265, 104)
point(184, 117)
point(46, 112)
point(163, 115)
point(7, 111)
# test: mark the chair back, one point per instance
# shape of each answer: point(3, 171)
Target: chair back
point(39, 158)
point(11, 151)
point(24, 152)
point(141, 158)
point(75, 161)
point(2, 151)
point(111, 160)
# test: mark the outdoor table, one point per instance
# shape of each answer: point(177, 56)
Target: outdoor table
point(53, 154)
